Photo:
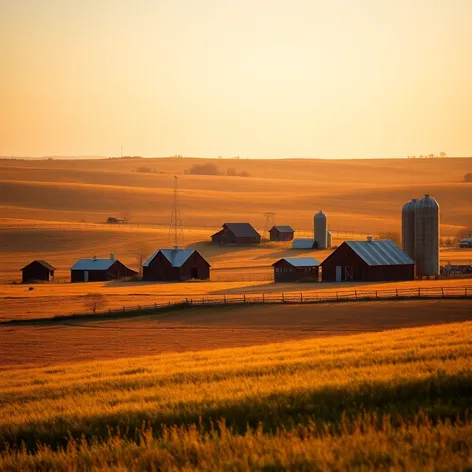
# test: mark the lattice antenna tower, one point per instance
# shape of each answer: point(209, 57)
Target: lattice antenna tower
point(176, 231)
point(269, 222)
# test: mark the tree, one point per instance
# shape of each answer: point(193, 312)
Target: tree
point(394, 236)
point(140, 253)
point(231, 171)
point(442, 154)
point(94, 302)
point(208, 168)
point(468, 177)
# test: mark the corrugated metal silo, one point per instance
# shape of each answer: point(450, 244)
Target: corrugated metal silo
point(427, 237)
point(408, 228)
point(321, 230)
point(329, 240)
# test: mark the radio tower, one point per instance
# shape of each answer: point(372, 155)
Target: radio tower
point(176, 231)
point(269, 222)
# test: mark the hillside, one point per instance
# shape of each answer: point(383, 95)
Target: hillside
point(398, 400)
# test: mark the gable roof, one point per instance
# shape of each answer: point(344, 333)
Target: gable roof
point(177, 257)
point(303, 243)
point(242, 230)
point(43, 263)
point(93, 264)
point(300, 261)
point(378, 253)
point(283, 229)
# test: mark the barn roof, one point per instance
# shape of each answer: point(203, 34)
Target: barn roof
point(283, 229)
point(300, 261)
point(93, 264)
point(303, 243)
point(177, 257)
point(379, 253)
point(242, 230)
point(43, 263)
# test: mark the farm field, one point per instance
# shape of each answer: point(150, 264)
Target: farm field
point(293, 405)
point(212, 328)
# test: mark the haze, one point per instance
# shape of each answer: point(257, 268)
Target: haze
point(259, 78)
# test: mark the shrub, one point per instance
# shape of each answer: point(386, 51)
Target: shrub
point(468, 177)
point(208, 168)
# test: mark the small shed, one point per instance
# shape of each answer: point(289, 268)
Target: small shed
point(281, 233)
point(236, 233)
point(304, 243)
point(368, 261)
point(296, 269)
point(37, 271)
point(99, 270)
point(168, 265)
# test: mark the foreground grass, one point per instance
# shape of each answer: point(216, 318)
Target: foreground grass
point(398, 399)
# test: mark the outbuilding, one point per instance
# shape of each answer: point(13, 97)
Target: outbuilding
point(296, 269)
point(368, 261)
point(304, 243)
point(236, 233)
point(281, 233)
point(168, 265)
point(99, 270)
point(37, 271)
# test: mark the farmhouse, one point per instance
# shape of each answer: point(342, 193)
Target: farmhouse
point(281, 233)
point(304, 243)
point(296, 269)
point(176, 265)
point(99, 270)
point(236, 233)
point(368, 261)
point(37, 271)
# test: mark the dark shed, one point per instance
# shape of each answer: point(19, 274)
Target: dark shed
point(38, 270)
point(236, 233)
point(176, 265)
point(281, 233)
point(295, 269)
point(99, 270)
point(368, 261)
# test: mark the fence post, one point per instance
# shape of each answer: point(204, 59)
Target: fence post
point(203, 301)
point(224, 297)
point(283, 298)
point(396, 290)
point(123, 309)
point(442, 291)
point(301, 297)
point(263, 298)
point(155, 305)
point(244, 296)
point(376, 294)
point(337, 296)
point(355, 294)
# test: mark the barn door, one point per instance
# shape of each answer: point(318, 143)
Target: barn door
point(348, 273)
point(85, 275)
point(338, 273)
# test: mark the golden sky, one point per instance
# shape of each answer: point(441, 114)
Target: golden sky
point(254, 78)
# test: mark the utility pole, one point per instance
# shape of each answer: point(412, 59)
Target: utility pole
point(268, 223)
point(175, 226)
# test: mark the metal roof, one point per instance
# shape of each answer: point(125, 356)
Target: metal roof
point(283, 229)
point(242, 230)
point(177, 257)
point(43, 263)
point(303, 243)
point(93, 264)
point(379, 253)
point(300, 261)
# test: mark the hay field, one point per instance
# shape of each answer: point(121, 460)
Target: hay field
point(398, 400)
point(203, 328)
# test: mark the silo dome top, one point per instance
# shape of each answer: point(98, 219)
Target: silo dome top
point(427, 202)
point(409, 205)
point(320, 214)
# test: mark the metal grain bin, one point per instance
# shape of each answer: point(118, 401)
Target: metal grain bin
point(427, 237)
point(321, 230)
point(408, 228)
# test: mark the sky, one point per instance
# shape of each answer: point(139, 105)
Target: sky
point(249, 78)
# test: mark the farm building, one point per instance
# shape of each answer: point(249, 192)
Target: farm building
point(296, 269)
point(304, 243)
point(467, 242)
point(37, 271)
point(236, 233)
point(368, 261)
point(281, 233)
point(176, 265)
point(99, 270)
point(451, 270)
point(114, 220)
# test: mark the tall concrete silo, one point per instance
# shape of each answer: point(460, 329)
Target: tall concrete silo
point(329, 241)
point(427, 237)
point(321, 230)
point(408, 228)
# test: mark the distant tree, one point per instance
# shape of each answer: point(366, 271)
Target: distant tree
point(208, 168)
point(140, 253)
point(431, 156)
point(442, 154)
point(394, 236)
point(468, 177)
point(244, 173)
point(231, 171)
point(94, 302)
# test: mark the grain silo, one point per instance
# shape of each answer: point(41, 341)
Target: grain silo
point(408, 228)
point(329, 239)
point(321, 230)
point(427, 237)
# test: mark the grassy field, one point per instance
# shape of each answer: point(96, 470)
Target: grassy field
point(398, 400)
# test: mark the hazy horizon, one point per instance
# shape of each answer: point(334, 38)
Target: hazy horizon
point(258, 79)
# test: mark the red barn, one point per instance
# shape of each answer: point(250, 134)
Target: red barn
point(236, 233)
point(281, 233)
point(37, 271)
point(368, 261)
point(296, 269)
point(99, 270)
point(176, 265)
